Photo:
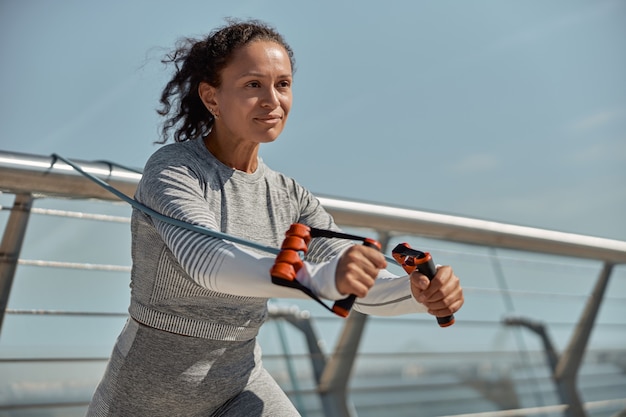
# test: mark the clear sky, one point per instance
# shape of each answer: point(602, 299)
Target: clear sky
point(512, 111)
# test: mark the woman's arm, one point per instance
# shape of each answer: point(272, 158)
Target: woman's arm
point(173, 185)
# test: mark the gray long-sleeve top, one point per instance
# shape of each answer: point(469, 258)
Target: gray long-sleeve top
point(196, 285)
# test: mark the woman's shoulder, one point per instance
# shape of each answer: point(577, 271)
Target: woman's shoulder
point(186, 155)
point(173, 163)
point(178, 159)
point(174, 152)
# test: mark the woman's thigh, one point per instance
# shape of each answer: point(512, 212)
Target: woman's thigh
point(153, 373)
point(262, 397)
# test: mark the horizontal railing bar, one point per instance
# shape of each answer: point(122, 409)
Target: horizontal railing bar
point(76, 215)
point(23, 173)
point(520, 381)
point(451, 228)
point(599, 387)
point(74, 265)
point(42, 175)
point(52, 360)
point(45, 312)
point(590, 405)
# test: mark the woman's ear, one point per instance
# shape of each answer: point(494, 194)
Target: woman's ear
point(207, 95)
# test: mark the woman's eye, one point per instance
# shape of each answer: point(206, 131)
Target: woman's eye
point(253, 84)
point(284, 84)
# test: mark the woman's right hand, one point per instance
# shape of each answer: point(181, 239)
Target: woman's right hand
point(357, 270)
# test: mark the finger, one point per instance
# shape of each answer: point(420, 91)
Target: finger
point(448, 305)
point(442, 283)
point(419, 281)
point(366, 256)
point(374, 257)
point(446, 310)
point(359, 279)
point(369, 260)
point(364, 269)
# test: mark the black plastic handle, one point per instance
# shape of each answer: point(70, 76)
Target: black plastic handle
point(411, 259)
point(427, 267)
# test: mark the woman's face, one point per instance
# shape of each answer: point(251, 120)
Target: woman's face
point(254, 98)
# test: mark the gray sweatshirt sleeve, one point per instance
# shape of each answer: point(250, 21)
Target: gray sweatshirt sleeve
point(390, 296)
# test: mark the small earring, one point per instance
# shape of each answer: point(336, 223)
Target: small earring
point(214, 113)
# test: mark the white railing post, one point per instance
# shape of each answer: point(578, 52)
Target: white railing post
point(11, 246)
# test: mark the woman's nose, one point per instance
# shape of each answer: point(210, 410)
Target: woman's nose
point(270, 97)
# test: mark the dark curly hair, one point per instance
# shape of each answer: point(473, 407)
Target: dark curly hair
point(202, 60)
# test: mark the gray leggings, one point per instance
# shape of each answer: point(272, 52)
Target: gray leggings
point(156, 373)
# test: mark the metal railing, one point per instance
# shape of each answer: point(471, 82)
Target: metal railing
point(30, 176)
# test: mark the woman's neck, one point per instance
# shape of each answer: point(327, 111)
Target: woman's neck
point(237, 155)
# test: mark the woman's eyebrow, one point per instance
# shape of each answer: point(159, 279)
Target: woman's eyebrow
point(262, 75)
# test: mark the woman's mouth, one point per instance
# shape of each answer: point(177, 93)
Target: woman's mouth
point(270, 119)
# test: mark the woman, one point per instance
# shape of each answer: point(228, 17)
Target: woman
point(197, 302)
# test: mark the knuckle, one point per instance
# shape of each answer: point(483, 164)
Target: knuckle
point(360, 292)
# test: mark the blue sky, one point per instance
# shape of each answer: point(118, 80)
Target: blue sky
point(512, 111)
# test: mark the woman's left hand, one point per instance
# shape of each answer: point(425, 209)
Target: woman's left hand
point(443, 296)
